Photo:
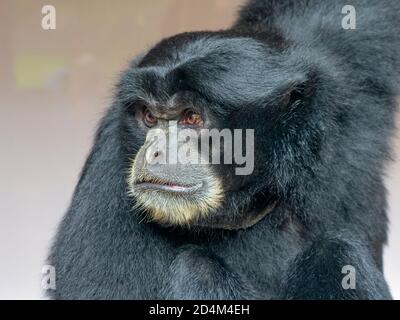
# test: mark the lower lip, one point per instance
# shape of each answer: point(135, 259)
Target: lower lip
point(168, 188)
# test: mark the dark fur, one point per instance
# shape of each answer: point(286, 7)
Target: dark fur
point(322, 102)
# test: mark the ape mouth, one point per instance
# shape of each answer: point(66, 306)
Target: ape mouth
point(154, 183)
point(175, 199)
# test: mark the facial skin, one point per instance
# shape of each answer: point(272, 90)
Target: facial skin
point(174, 193)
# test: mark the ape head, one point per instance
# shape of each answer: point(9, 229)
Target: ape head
point(248, 90)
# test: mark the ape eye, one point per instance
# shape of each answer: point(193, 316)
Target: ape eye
point(191, 118)
point(148, 119)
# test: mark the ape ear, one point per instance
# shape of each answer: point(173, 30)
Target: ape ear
point(298, 92)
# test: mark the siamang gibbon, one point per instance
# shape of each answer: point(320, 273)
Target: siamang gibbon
point(320, 100)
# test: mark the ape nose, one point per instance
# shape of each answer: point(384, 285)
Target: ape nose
point(155, 156)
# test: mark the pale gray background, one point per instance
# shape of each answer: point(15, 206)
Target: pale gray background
point(54, 86)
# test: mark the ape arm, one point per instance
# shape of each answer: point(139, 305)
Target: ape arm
point(316, 273)
point(198, 274)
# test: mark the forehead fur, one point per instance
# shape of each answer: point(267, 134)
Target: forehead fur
point(227, 70)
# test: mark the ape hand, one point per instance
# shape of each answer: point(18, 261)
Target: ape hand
point(199, 274)
point(319, 272)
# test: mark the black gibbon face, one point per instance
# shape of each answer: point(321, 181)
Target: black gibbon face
point(172, 190)
point(199, 119)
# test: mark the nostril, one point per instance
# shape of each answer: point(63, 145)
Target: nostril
point(156, 154)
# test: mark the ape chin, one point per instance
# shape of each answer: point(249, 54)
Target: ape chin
point(242, 164)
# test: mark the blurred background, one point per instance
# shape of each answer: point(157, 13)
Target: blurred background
point(54, 87)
